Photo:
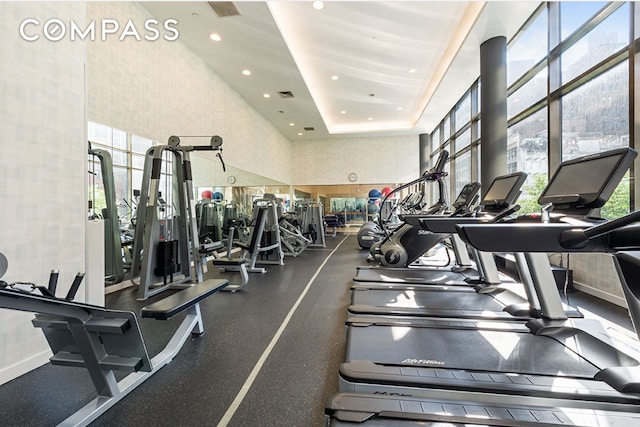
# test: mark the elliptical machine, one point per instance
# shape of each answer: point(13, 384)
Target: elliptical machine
point(407, 243)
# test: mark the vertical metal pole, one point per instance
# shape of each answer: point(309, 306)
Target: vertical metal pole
point(545, 286)
point(191, 220)
point(527, 281)
point(141, 215)
point(460, 251)
point(179, 179)
point(151, 222)
point(487, 266)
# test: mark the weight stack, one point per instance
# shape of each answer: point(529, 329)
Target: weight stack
point(167, 258)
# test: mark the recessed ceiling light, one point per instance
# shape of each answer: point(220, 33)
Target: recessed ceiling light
point(343, 112)
point(334, 77)
point(299, 133)
point(246, 72)
point(370, 118)
point(399, 108)
point(266, 95)
point(215, 37)
point(292, 124)
point(411, 70)
point(318, 5)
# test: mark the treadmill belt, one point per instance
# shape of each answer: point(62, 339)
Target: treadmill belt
point(473, 350)
point(417, 276)
point(426, 300)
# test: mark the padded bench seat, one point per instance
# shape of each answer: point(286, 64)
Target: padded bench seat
point(222, 262)
point(174, 304)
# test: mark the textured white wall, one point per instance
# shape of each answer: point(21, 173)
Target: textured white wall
point(595, 274)
point(43, 168)
point(374, 160)
point(160, 88)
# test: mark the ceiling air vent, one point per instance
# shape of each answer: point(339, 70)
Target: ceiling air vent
point(285, 94)
point(224, 8)
point(309, 128)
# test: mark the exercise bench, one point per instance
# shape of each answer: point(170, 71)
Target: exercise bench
point(234, 264)
point(104, 341)
point(249, 255)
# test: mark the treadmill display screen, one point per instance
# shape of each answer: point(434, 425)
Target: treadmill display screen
point(581, 178)
point(440, 163)
point(466, 194)
point(588, 181)
point(500, 190)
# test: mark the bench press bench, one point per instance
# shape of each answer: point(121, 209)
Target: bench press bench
point(104, 341)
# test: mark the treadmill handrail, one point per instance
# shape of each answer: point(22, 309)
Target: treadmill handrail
point(448, 224)
point(579, 238)
point(554, 237)
point(551, 237)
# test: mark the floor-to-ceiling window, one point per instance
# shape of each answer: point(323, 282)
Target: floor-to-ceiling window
point(458, 133)
point(527, 134)
point(128, 154)
point(570, 92)
point(574, 100)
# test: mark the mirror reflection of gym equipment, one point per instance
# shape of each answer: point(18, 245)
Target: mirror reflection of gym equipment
point(312, 222)
point(270, 249)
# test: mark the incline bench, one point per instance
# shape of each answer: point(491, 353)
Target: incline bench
point(252, 250)
point(103, 340)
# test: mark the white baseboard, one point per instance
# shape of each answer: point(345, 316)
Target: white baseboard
point(614, 299)
point(14, 371)
point(118, 287)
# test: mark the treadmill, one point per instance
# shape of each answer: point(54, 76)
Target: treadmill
point(506, 301)
point(551, 357)
point(498, 201)
point(468, 297)
point(401, 409)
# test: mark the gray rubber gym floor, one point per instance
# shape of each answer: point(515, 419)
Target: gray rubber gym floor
point(199, 386)
point(222, 377)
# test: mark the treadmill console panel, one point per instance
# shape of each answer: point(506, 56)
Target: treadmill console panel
point(587, 182)
point(503, 192)
point(466, 195)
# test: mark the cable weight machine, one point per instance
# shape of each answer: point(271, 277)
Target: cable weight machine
point(113, 259)
point(166, 239)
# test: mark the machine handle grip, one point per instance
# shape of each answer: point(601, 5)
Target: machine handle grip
point(605, 227)
point(578, 238)
point(53, 281)
point(506, 213)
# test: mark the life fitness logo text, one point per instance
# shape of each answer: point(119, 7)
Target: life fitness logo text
point(55, 29)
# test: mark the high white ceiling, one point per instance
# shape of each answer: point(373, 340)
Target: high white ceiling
point(355, 68)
